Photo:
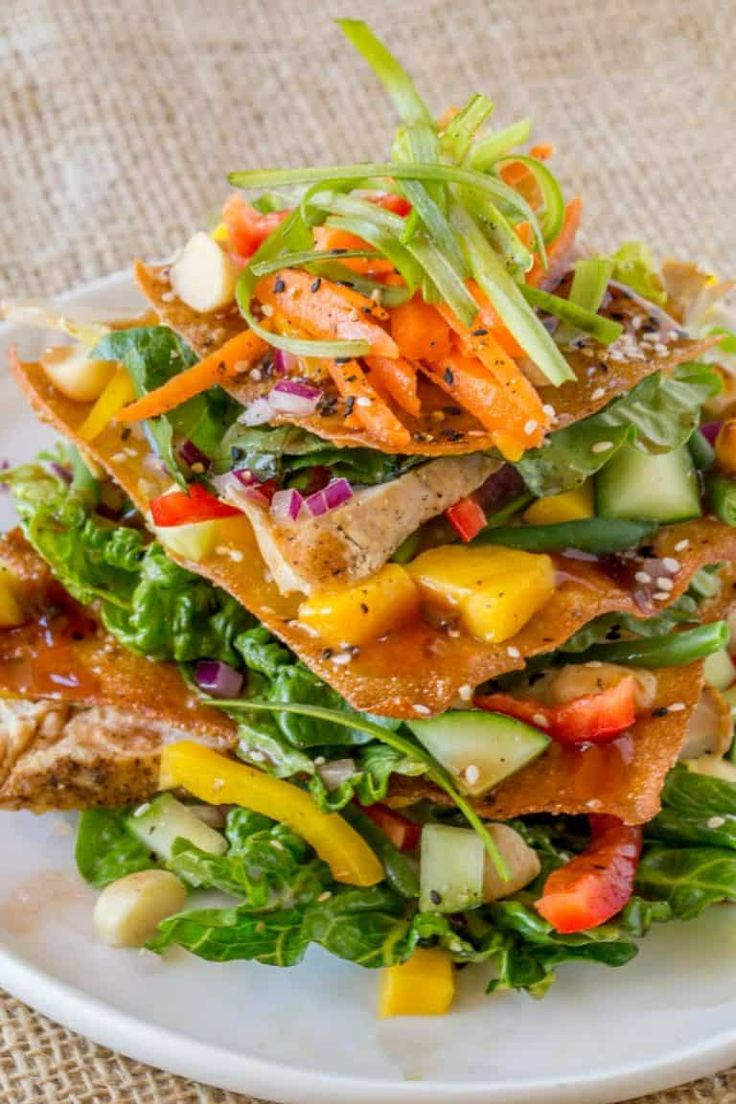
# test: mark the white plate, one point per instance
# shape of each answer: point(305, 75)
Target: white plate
point(310, 1033)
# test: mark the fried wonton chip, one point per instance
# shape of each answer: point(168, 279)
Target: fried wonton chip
point(650, 342)
point(82, 719)
point(418, 669)
point(623, 778)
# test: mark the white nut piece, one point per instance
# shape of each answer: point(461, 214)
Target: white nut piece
point(128, 911)
point(203, 275)
point(76, 376)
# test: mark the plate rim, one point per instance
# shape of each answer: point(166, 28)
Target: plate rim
point(162, 1048)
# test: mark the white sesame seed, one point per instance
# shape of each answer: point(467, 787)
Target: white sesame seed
point(236, 555)
point(513, 652)
point(168, 296)
point(716, 821)
point(643, 577)
point(267, 310)
point(540, 720)
point(598, 394)
point(472, 774)
point(549, 410)
point(465, 692)
point(277, 845)
point(530, 426)
point(218, 784)
point(676, 707)
point(325, 896)
point(319, 761)
point(362, 400)
point(682, 545)
point(255, 374)
point(343, 659)
point(377, 295)
point(421, 709)
point(602, 446)
point(594, 663)
point(669, 563)
point(662, 596)
point(665, 583)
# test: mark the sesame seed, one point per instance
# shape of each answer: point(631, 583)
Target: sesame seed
point(599, 393)
point(594, 663)
point(662, 596)
point(325, 896)
point(267, 310)
point(277, 845)
point(540, 720)
point(472, 774)
point(377, 295)
point(255, 374)
point(465, 692)
point(716, 822)
point(343, 659)
point(435, 897)
point(362, 400)
point(530, 426)
point(513, 652)
point(677, 707)
point(257, 756)
point(168, 296)
point(236, 555)
point(669, 563)
point(422, 709)
point(643, 577)
point(549, 410)
point(682, 545)
point(664, 583)
point(319, 761)
point(602, 446)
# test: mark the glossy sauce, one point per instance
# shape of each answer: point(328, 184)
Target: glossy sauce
point(41, 659)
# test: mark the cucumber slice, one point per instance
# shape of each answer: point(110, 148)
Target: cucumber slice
point(480, 749)
point(193, 541)
point(157, 826)
point(644, 486)
point(719, 670)
point(451, 869)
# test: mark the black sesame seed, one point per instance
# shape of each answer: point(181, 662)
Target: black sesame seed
point(660, 711)
point(435, 897)
point(480, 332)
point(327, 653)
point(316, 284)
point(279, 285)
point(448, 376)
point(349, 404)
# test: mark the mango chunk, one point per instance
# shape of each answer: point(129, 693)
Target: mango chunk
point(424, 985)
point(365, 610)
point(12, 613)
point(496, 590)
point(570, 506)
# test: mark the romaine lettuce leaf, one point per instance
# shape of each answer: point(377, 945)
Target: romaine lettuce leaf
point(106, 850)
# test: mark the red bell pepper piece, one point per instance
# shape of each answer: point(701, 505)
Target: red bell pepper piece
point(403, 833)
point(597, 884)
point(394, 203)
point(593, 718)
point(247, 228)
point(186, 507)
point(467, 518)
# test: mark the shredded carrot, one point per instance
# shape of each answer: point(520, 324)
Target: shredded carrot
point(235, 356)
point(523, 181)
point(326, 310)
point(543, 151)
point(367, 406)
point(489, 320)
point(328, 238)
point(418, 330)
point(559, 249)
point(523, 415)
point(397, 378)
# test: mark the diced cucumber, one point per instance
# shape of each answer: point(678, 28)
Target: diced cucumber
point(193, 541)
point(480, 749)
point(451, 868)
point(646, 486)
point(719, 670)
point(157, 826)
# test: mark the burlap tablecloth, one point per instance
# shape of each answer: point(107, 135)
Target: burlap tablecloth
point(119, 119)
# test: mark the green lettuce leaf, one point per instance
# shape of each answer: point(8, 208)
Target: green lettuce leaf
point(696, 809)
point(106, 850)
point(689, 879)
point(660, 413)
point(633, 265)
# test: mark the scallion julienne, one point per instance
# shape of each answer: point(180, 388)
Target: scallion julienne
point(604, 330)
point(553, 201)
point(307, 257)
point(461, 130)
point(488, 150)
point(589, 283)
point(435, 771)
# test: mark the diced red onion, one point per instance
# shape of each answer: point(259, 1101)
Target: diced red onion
point(710, 431)
point(337, 492)
point(234, 486)
point(316, 504)
point(285, 363)
point(63, 473)
point(258, 412)
point(335, 773)
point(219, 679)
point(293, 396)
point(287, 505)
point(190, 454)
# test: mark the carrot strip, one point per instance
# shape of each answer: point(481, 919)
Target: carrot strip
point(489, 320)
point(326, 310)
point(398, 378)
point(235, 356)
point(329, 238)
point(419, 331)
point(523, 416)
point(543, 151)
point(473, 387)
point(559, 249)
point(366, 405)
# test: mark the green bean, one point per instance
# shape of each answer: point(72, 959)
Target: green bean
point(400, 873)
point(722, 497)
point(600, 535)
point(701, 451)
point(675, 650)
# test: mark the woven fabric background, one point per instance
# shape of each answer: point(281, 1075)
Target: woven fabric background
point(118, 122)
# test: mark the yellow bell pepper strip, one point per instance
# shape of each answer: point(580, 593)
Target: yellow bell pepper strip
point(424, 985)
point(214, 778)
point(117, 393)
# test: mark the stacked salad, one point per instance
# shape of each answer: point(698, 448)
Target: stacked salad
point(383, 584)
